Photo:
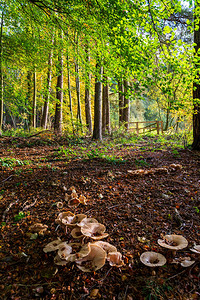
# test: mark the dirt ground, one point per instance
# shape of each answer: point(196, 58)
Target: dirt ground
point(136, 208)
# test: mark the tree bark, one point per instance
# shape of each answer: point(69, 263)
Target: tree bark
point(59, 92)
point(88, 115)
point(33, 113)
point(48, 88)
point(79, 116)
point(69, 92)
point(121, 102)
point(126, 105)
point(28, 101)
point(196, 90)
point(106, 107)
point(1, 74)
point(97, 130)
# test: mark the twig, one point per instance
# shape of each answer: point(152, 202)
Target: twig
point(7, 209)
point(124, 298)
point(175, 275)
point(7, 178)
point(28, 206)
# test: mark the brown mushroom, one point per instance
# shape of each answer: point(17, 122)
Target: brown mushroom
point(38, 228)
point(94, 230)
point(64, 250)
point(106, 246)
point(59, 261)
point(87, 221)
point(115, 259)
point(72, 222)
point(73, 202)
point(93, 261)
point(59, 205)
point(83, 200)
point(76, 233)
point(152, 259)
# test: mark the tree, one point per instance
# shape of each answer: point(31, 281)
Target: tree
point(97, 130)
point(1, 72)
point(196, 84)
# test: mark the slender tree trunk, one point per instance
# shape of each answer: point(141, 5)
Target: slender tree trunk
point(79, 116)
point(33, 114)
point(97, 131)
point(28, 102)
point(196, 87)
point(59, 92)
point(126, 105)
point(1, 75)
point(121, 102)
point(88, 114)
point(106, 107)
point(48, 89)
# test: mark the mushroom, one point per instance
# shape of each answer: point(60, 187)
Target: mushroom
point(82, 200)
point(196, 249)
point(76, 233)
point(152, 259)
point(87, 221)
point(72, 222)
point(38, 228)
point(73, 202)
point(67, 215)
point(184, 261)
point(52, 246)
point(59, 205)
point(64, 250)
point(93, 261)
point(106, 246)
point(59, 261)
point(115, 259)
point(94, 230)
point(173, 242)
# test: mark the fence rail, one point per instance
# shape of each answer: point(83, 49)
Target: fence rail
point(151, 126)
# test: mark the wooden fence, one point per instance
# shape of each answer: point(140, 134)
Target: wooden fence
point(148, 126)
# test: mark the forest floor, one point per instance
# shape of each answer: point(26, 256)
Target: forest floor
point(137, 209)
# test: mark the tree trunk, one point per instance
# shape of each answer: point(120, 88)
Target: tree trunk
point(196, 89)
point(88, 115)
point(126, 105)
point(28, 101)
point(48, 89)
point(33, 114)
point(97, 130)
point(69, 92)
point(79, 116)
point(59, 92)
point(1, 75)
point(106, 107)
point(121, 102)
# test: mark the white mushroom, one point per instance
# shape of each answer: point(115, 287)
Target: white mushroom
point(76, 233)
point(173, 242)
point(64, 250)
point(152, 259)
point(106, 246)
point(66, 215)
point(60, 262)
point(93, 261)
point(87, 221)
point(196, 249)
point(52, 246)
point(94, 230)
point(59, 205)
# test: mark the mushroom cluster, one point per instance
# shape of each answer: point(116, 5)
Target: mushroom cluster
point(173, 243)
point(73, 199)
point(90, 256)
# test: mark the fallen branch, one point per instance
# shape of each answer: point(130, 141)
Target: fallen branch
point(7, 209)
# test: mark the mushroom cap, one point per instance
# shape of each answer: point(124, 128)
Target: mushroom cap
point(87, 221)
point(38, 227)
point(64, 250)
point(64, 215)
point(196, 249)
point(59, 205)
point(83, 199)
point(52, 246)
point(115, 259)
point(187, 263)
point(73, 202)
point(106, 246)
point(152, 259)
point(59, 261)
point(76, 233)
point(73, 220)
point(94, 260)
point(94, 230)
point(173, 242)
